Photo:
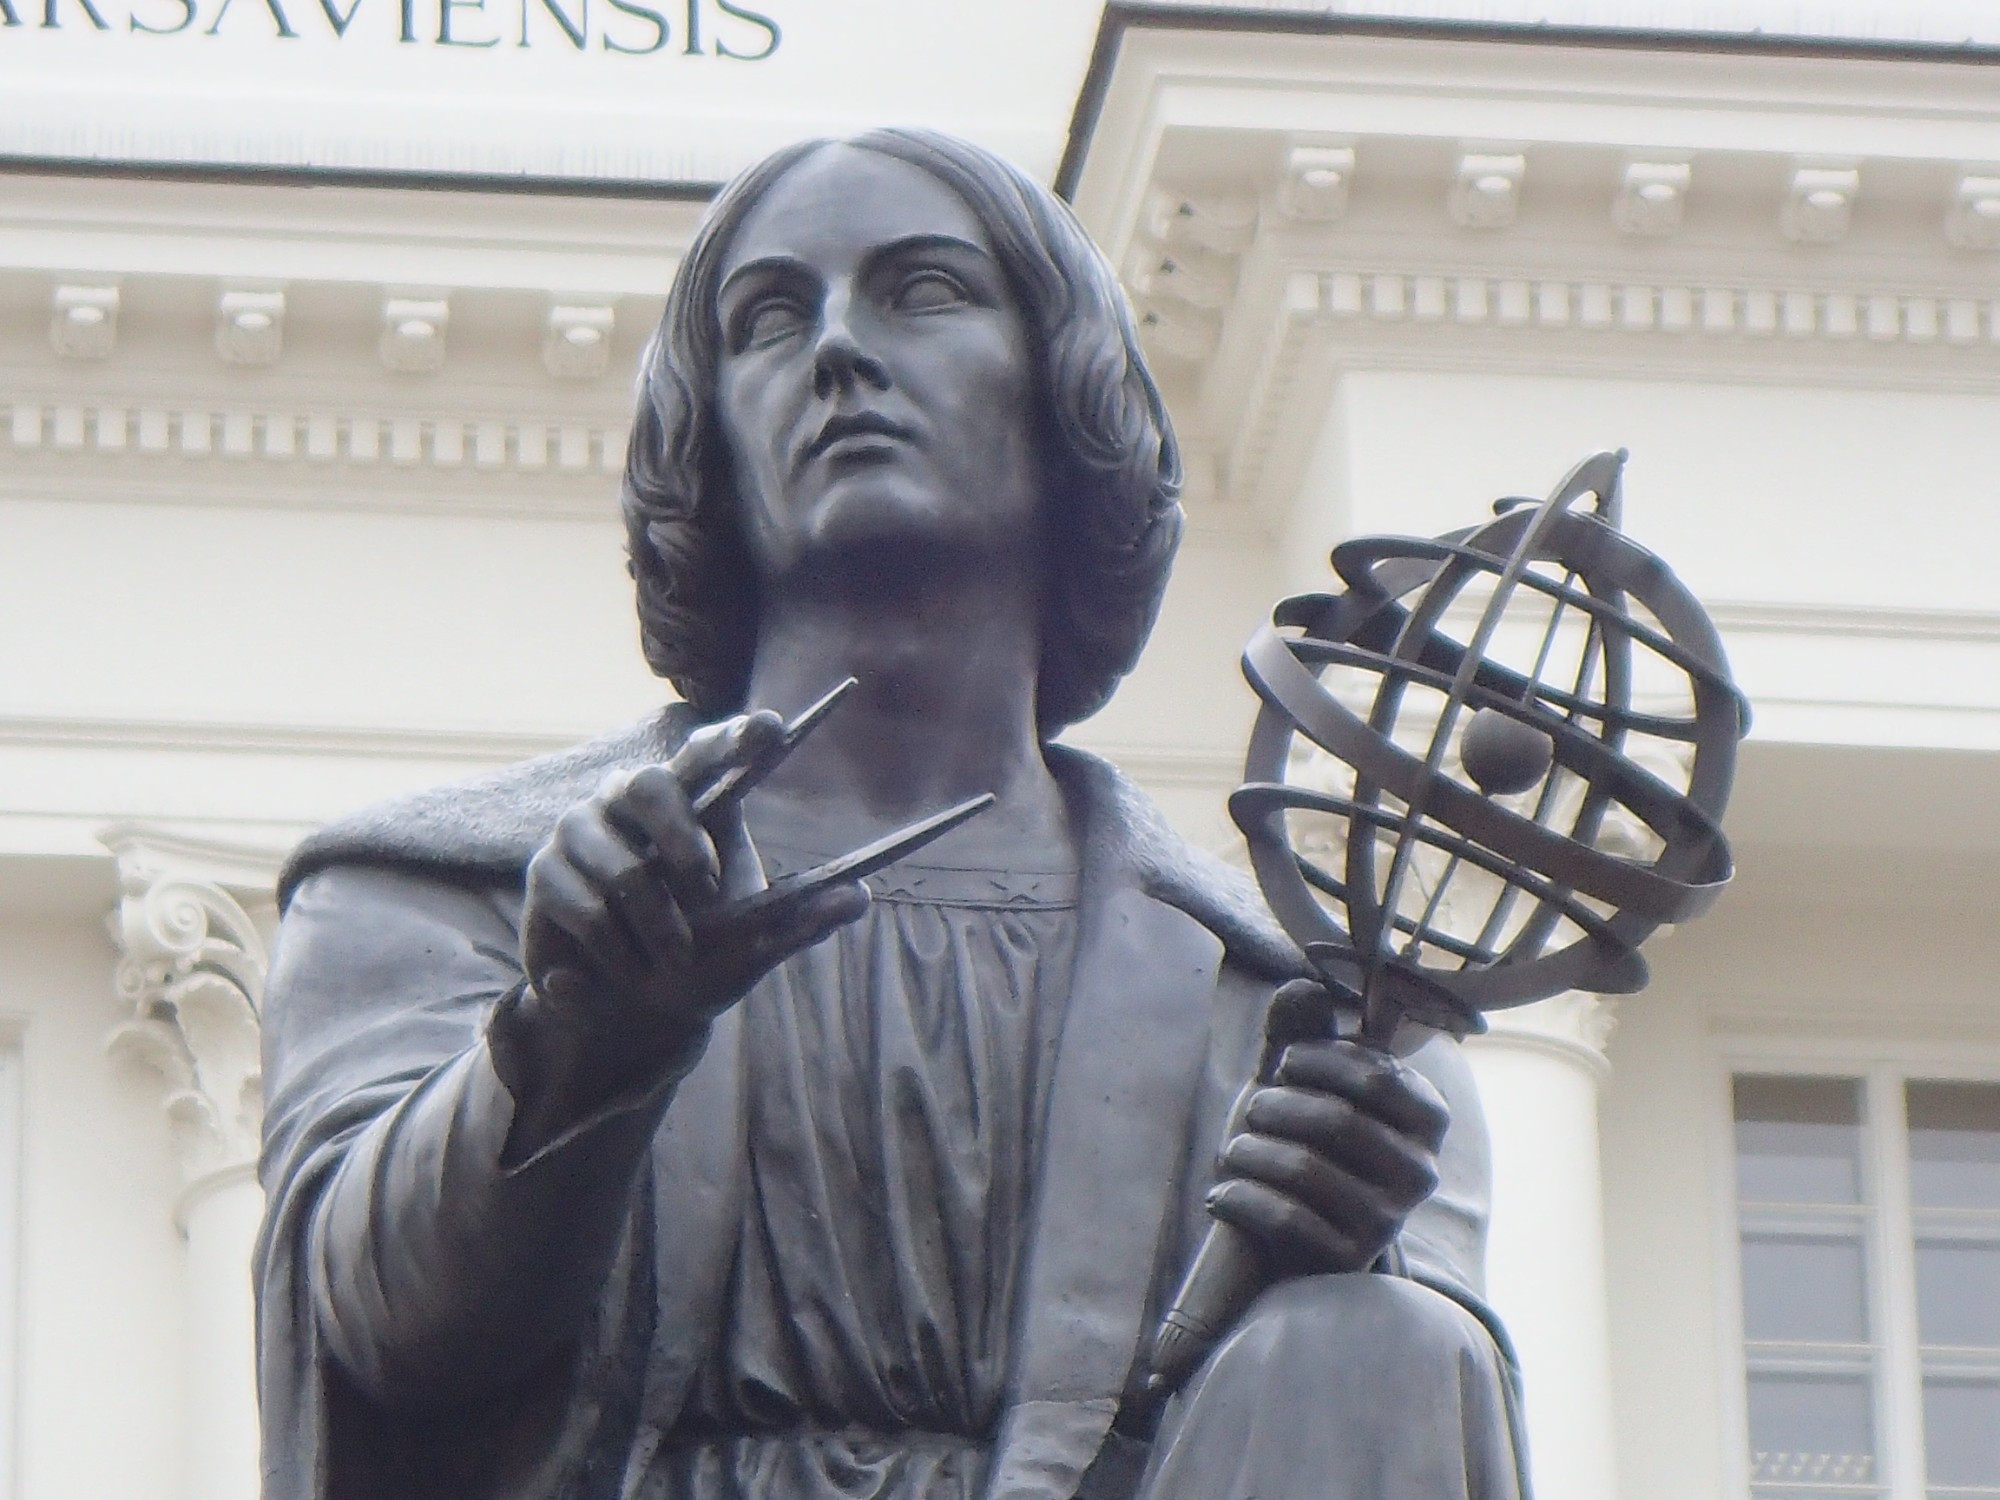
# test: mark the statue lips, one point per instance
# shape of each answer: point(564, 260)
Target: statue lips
point(857, 435)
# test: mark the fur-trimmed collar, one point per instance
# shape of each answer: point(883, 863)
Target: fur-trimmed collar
point(488, 827)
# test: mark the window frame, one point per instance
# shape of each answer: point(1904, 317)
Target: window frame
point(1883, 1067)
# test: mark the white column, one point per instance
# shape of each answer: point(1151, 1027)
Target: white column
point(1539, 1070)
point(192, 970)
point(221, 1227)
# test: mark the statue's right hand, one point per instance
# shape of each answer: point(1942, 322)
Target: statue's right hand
point(625, 937)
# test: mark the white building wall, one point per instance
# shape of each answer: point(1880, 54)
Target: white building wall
point(219, 621)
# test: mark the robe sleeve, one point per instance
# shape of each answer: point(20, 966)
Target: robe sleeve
point(399, 1260)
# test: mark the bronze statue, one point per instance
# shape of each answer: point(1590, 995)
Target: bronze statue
point(584, 1183)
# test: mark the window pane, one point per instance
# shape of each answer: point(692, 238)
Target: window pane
point(1962, 1431)
point(1803, 1289)
point(1798, 1140)
point(1958, 1294)
point(1954, 1145)
point(1811, 1429)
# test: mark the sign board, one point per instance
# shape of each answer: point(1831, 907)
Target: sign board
point(653, 91)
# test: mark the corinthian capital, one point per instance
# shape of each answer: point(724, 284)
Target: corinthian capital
point(1573, 1025)
point(190, 928)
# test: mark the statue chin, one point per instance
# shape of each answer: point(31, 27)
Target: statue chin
point(884, 520)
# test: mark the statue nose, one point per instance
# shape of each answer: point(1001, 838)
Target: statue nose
point(840, 363)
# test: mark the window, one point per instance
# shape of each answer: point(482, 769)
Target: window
point(1868, 1216)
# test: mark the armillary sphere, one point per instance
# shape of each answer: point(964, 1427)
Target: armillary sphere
point(1524, 735)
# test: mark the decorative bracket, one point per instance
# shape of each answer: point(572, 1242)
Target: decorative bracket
point(1221, 225)
point(1819, 204)
point(1973, 222)
point(83, 321)
point(1183, 269)
point(190, 930)
point(576, 345)
point(1651, 197)
point(413, 329)
point(1485, 190)
point(1316, 182)
point(250, 327)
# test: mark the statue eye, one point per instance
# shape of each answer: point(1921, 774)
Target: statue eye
point(929, 290)
point(766, 321)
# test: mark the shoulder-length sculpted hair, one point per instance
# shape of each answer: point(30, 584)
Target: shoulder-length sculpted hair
point(1112, 515)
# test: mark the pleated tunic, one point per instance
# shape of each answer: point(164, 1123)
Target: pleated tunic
point(896, 1079)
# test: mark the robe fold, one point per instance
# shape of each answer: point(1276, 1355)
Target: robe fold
point(896, 1078)
point(673, 1300)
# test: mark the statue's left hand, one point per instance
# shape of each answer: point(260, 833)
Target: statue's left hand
point(1331, 1157)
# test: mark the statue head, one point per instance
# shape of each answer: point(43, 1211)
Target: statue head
point(1108, 476)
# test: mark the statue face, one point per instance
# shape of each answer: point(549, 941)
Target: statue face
point(875, 386)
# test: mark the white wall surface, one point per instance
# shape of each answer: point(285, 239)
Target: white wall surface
point(1843, 538)
point(1777, 493)
point(266, 670)
point(320, 618)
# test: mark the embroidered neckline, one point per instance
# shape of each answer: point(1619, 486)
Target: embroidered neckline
point(943, 885)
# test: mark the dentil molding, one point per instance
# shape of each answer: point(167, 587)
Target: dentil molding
point(1474, 320)
point(366, 439)
point(176, 322)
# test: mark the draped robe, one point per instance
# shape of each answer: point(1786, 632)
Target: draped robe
point(385, 1376)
